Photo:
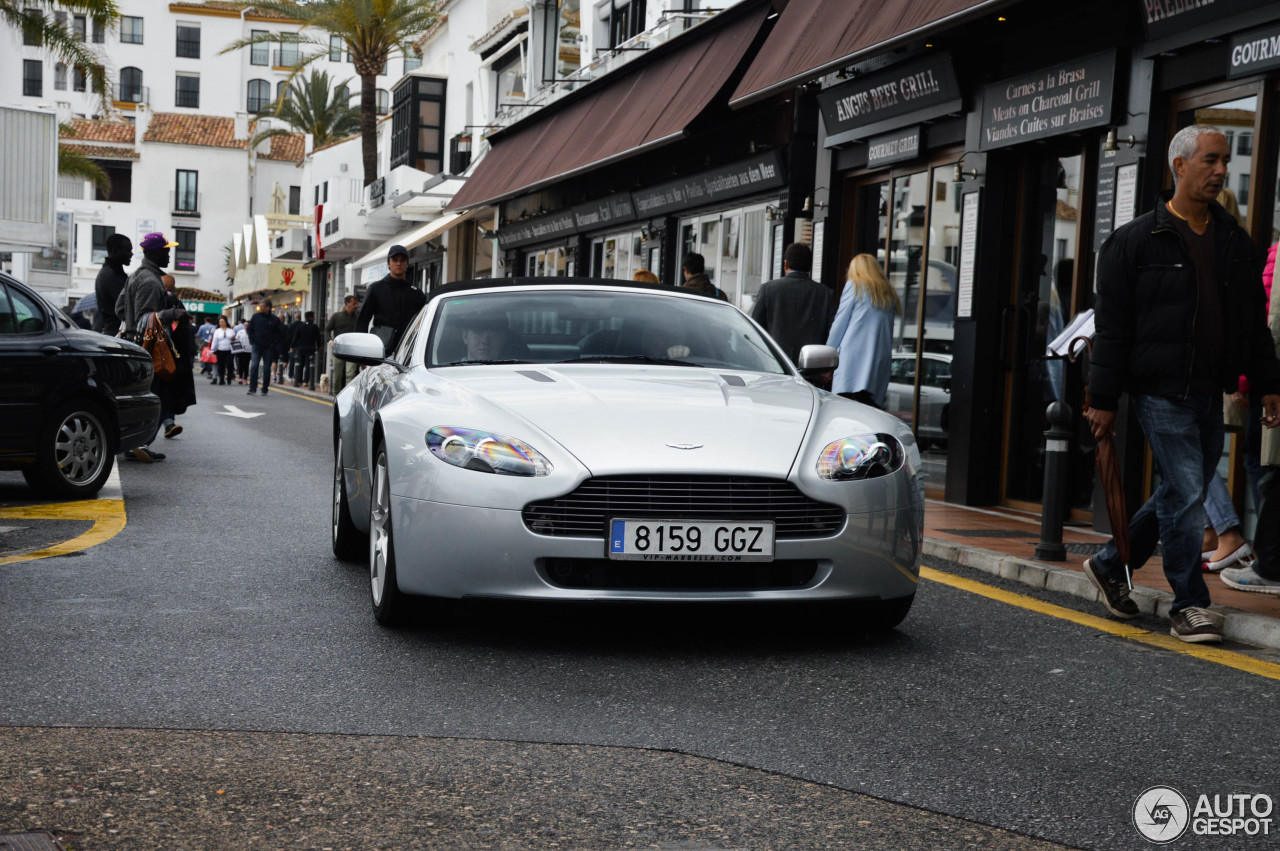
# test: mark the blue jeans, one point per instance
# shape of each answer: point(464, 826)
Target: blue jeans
point(1185, 436)
point(267, 357)
point(1219, 510)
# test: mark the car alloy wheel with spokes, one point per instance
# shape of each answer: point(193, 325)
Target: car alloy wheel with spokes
point(389, 604)
point(74, 457)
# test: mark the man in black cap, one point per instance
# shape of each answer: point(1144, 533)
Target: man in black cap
point(110, 283)
point(392, 302)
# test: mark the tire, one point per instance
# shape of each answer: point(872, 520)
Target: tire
point(390, 606)
point(74, 455)
point(886, 614)
point(348, 542)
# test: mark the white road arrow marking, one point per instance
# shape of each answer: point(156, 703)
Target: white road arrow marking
point(233, 411)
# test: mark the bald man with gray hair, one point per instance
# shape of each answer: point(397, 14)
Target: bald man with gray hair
point(1179, 316)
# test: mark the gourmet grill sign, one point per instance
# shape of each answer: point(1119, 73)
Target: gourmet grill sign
point(1061, 99)
point(893, 147)
point(909, 92)
point(1255, 51)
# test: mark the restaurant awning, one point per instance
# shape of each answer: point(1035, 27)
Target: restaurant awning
point(638, 107)
point(814, 37)
point(409, 240)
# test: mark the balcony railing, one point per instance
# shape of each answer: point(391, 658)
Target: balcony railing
point(286, 57)
point(132, 94)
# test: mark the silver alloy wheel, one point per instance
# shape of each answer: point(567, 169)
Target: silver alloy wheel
point(337, 491)
point(379, 529)
point(80, 448)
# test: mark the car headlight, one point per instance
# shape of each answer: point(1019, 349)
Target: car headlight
point(474, 449)
point(862, 456)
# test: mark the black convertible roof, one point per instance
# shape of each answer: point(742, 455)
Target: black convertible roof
point(487, 283)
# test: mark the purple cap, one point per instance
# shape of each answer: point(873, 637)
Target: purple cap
point(152, 241)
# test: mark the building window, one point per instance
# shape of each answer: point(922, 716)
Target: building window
point(282, 91)
point(131, 85)
point(417, 124)
point(79, 27)
point(188, 41)
point(342, 95)
point(335, 48)
point(412, 63)
point(78, 81)
point(324, 193)
point(562, 25)
point(187, 91)
point(60, 77)
point(31, 33)
point(259, 95)
point(287, 56)
point(32, 78)
point(510, 79)
point(295, 200)
point(317, 199)
point(99, 32)
point(260, 53)
point(130, 30)
point(619, 20)
point(99, 247)
point(184, 256)
point(121, 176)
point(383, 103)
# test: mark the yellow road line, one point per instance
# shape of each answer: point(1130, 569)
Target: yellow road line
point(278, 389)
point(108, 518)
point(1207, 653)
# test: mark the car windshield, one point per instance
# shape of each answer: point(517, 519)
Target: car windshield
point(562, 326)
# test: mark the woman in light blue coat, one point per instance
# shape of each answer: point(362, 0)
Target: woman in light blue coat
point(863, 333)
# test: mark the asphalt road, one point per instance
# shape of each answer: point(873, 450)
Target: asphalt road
point(212, 678)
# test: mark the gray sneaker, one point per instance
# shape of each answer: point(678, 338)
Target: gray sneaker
point(1247, 579)
point(1115, 595)
point(1195, 625)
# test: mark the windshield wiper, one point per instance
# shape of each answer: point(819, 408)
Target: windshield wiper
point(629, 359)
point(479, 362)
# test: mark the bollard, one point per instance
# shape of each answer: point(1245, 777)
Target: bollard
point(1057, 441)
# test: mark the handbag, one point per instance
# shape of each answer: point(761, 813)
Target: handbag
point(207, 355)
point(163, 362)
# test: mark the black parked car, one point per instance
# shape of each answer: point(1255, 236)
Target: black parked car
point(70, 399)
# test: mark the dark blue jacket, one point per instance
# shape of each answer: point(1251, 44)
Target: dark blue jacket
point(266, 331)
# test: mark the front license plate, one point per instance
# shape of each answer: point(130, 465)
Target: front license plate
point(671, 540)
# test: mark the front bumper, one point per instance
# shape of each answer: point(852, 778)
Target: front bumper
point(457, 551)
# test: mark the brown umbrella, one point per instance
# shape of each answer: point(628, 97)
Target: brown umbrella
point(1109, 475)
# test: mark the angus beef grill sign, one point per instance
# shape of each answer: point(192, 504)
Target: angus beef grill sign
point(1059, 99)
point(904, 94)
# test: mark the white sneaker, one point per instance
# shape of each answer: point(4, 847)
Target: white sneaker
point(1246, 579)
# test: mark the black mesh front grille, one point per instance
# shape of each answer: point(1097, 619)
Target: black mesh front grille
point(585, 512)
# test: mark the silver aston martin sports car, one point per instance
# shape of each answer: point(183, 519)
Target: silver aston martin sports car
point(573, 439)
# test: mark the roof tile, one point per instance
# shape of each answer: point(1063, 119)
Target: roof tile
point(99, 130)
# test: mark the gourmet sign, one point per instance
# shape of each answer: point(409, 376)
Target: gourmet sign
point(1060, 99)
point(1255, 51)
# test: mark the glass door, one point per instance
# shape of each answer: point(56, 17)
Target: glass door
point(734, 246)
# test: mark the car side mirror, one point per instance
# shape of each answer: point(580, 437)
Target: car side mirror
point(364, 349)
point(818, 365)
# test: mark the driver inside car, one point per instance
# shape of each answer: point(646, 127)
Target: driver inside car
point(489, 338)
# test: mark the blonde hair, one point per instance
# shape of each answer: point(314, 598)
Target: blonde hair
point(646, 276)
point(867, 279)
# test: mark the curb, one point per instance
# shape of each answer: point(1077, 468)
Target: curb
point(1238, 625)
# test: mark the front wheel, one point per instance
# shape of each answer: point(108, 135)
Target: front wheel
point(390, 606)
point(347, 541)
point(73, 456)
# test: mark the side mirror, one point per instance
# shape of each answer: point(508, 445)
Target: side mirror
point(818, 365)
point(364, 349)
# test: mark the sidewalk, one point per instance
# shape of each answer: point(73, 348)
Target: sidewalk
point(1002, 542)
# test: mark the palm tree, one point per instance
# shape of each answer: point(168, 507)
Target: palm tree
point(73, 163)
point(314, 106)
point(372, 30)
point(35, 18)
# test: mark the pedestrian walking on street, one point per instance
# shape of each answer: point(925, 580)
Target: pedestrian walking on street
point(341, 322)
point(1178, 318)
point(863, 333)
point(694, 269)
point(305, 341)
point(266, 337)
point(241, 351)
point(142, 296)
point(221, 341)
point(795, 309)
point(182, 387)
point(110, 283)
point(391, 302)
point(205, 334)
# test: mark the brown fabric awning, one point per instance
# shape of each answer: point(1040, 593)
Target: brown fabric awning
point(813, 37)
point(633, 110)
